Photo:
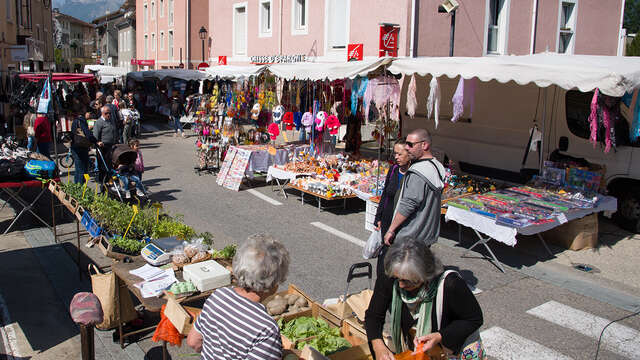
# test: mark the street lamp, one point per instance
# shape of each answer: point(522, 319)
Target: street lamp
point(203, 35)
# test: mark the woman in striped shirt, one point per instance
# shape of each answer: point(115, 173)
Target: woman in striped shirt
point(233, 323)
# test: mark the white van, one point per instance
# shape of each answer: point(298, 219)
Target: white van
point(492, 140)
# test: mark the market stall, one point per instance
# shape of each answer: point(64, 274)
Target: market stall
point(490, 213)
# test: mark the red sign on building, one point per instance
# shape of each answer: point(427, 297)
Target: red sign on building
point(146, 62)
point(222, 60)
point(355, 52)
point(388, 40)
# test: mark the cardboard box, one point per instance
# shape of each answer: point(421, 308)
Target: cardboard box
point(575, 235)
point(182, 317)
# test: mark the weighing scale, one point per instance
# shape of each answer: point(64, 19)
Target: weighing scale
point(157, 251)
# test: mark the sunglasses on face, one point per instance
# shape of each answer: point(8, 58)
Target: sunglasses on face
point(412, 144)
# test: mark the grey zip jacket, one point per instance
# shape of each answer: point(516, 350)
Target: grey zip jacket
point(419, 201)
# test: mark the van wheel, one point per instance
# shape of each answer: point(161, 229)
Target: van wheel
point(628, 214)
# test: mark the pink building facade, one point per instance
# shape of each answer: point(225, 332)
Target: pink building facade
point(520, 27)
point(319, 30)
point(168, 32)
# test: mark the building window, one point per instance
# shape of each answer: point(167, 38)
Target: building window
point(146, 46)
point(161, 8)
point(170, 45)
point(153, 42)
point(240, 29)
point(337, 24)
point(171, 12)
point(8, 9)
point(146, 17)
point(265, 18)
point(161, 40)
point(153, 10)
point(300, 16)
point(497, 25)
point(567, 26)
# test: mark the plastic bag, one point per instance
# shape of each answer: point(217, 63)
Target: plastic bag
point(372, 247)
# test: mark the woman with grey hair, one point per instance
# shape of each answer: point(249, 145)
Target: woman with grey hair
point(233, 323)
point(428, 305)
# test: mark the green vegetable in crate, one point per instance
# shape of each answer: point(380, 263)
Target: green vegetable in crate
point(228, 252)
point(326, 344)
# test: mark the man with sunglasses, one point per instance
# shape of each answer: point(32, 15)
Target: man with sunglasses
point(417, 211)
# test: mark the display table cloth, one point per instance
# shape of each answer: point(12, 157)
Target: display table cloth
point(507, 235)
point(282, 178)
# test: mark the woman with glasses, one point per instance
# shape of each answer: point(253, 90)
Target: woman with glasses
point(427, 306)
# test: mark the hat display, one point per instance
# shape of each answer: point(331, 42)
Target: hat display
point(287, 119)
point(278, 112)
point(274, 130)
point(321, 117)
point(333, 124)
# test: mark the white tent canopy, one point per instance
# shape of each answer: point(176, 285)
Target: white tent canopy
point(330, 71)
point(233, 72)
point(181, 74)
point(106, 73)
point(613, 75)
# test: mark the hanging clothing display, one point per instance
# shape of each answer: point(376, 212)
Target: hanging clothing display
point(603, 119)
point(464, 97)
point(411, 97)
point(433, 101)
point(381, 90)
point(358, 90)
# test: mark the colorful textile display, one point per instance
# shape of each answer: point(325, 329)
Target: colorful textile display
point(433, 101)
point(411, 97)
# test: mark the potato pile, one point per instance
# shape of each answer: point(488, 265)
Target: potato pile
point(290, 303)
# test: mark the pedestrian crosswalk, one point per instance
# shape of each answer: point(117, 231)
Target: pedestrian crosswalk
point(619, 339)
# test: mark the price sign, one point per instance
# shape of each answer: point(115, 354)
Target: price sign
point(135, 212)
point(562, 218)
point(158, 206)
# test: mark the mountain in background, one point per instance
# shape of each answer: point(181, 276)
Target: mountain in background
point(86, 10)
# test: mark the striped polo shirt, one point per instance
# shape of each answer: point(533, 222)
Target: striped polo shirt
point(234, 327)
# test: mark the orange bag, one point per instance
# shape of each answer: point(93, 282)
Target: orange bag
point(166, 331)
point(435, 353)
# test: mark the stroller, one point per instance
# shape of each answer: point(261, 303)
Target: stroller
point(111, 181)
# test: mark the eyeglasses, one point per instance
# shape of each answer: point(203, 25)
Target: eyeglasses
point(409, 283)
point(412, 144)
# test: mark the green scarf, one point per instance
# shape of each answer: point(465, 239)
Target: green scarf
point(424, 298)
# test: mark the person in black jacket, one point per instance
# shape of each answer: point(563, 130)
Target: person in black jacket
point(409, 292)
point(176, 108)
point(80, 147)
point(384, 215)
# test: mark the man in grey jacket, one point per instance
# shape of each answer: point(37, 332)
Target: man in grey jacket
point(106, 132)
point(417, 212)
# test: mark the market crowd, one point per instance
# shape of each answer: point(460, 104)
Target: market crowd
point(430, 308)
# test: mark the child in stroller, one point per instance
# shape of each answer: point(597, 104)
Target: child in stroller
point(124, 159)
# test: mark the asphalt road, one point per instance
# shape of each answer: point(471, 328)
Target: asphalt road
point(529, 312)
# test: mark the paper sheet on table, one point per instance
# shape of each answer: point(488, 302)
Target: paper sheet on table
point(147, 272)
point(155, 286)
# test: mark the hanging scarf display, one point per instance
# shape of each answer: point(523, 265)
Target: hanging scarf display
point(593, 119)
point(605, 114)
point(458, 101)
point(381, 90)
point(358, 90)
point(411, 97)
point(634, 133)
point(297, 119)
point(433, 101)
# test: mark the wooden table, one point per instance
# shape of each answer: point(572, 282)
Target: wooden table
point(153, 304)
point(321, 197)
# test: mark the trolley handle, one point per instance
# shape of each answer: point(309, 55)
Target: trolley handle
point(353, 274)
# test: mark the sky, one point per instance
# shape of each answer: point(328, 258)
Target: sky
point(86, 10)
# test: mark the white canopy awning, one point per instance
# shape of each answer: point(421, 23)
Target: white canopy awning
point(613, 75)
point(106, 73)
point(181, 74)
point(233, 72)
point(330, 71)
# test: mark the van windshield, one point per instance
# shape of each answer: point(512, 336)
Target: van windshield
point(578, 108)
